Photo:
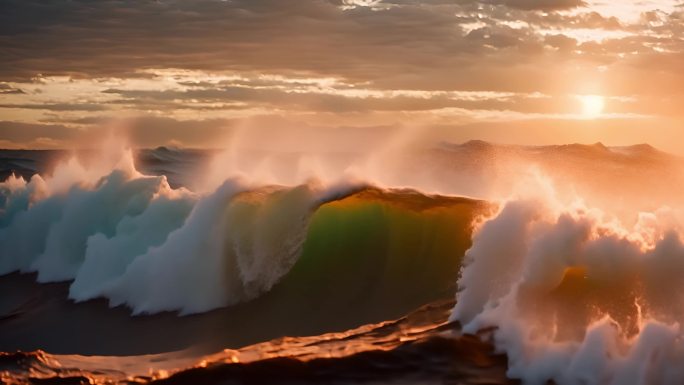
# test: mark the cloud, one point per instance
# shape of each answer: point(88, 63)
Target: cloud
point(408, 44)
point(69, 62)
point(7, 89)
point(142, 132)
point(119, 38)
point(544, 5)
point(20, 133)
point(58, 106)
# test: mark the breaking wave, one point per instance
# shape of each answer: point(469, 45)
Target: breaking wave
point(576, 296)
point(571, 293)
point(137, 241)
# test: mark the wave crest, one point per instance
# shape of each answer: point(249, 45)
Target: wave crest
point(577, 297)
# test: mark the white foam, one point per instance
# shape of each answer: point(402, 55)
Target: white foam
point(136, 241)
point(575, 296)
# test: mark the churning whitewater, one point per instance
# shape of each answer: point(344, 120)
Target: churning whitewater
point(575, 296)
point(136, 241)
point(574, 288)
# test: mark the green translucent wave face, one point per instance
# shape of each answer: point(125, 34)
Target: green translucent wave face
point(369, 257)
point(377, 255)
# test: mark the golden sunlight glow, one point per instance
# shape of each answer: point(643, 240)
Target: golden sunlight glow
point(592, 106)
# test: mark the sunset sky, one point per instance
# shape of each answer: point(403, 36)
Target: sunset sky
point(189, 71)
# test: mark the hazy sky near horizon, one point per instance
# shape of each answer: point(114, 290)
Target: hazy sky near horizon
point(187, 72)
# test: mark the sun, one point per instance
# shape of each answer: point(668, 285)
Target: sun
point(592, 105)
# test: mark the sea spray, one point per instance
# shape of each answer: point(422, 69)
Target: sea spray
point(107, 257)
point(187, 271)
point(136, 241)
point(85, 213)
point(575, 296)
point(39, 212)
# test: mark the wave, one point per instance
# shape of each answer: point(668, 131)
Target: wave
point(570, 293)
point(136, 241)
point(376, 254)
point(26, 163)
point(417, 348)
point(111, 239)
point(576, 296)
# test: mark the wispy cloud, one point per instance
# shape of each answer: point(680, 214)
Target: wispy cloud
point(358, 62)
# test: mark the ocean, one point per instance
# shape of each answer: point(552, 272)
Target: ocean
point(468, 263)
